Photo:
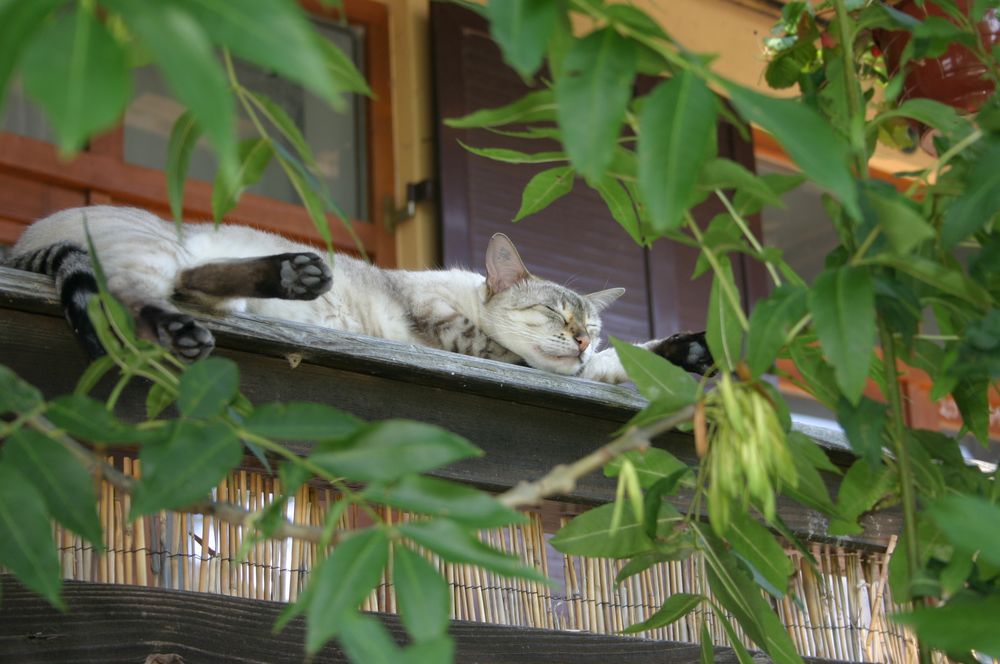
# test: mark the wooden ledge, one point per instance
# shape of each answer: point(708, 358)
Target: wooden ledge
point(114, 624)
point(525, 420)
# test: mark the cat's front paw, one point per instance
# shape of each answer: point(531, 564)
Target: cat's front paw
point(304, 276)
point(179, 333)
point(688, 350)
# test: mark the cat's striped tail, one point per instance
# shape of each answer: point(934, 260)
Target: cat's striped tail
point(69, 264)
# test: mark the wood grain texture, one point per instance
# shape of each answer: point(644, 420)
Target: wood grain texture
point(526, 421)
point(110, 624)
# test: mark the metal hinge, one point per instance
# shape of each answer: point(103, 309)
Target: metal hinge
point(416, 192)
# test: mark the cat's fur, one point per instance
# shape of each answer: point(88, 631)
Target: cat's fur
point(508, 315)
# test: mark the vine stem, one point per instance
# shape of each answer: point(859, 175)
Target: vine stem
point(562, 479)
point(748, 234)
point(897, 435)
point(727, 287)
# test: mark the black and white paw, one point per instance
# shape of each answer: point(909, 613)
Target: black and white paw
point(688, 350)
point(179, 333)
point(304, 276)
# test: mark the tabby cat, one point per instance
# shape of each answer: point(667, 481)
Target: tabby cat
point(508, 315)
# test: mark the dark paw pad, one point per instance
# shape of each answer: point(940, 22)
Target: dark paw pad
point(186, 338)
point(688, 350)
point(304, 276)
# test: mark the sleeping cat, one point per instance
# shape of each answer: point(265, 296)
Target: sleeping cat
point(508, 315)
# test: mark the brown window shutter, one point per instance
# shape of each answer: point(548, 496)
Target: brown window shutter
point(575, 241)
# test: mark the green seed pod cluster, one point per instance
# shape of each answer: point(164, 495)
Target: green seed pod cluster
point(748, 458)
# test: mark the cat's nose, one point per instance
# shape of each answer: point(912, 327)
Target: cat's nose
point(582, 340)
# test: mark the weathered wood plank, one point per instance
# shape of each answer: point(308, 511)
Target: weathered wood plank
point(526, 421)
point(108, 624)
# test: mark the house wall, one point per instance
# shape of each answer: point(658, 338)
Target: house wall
point(732, 29)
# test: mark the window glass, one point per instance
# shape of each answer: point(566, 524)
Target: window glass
point(337, 138)
point(21, 116)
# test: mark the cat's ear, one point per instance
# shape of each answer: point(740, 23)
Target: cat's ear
point(504, 267)
point(603, 299)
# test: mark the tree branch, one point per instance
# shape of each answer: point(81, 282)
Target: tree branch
point(224, 511)
point(562, 479)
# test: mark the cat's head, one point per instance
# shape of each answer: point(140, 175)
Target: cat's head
point(550, 326)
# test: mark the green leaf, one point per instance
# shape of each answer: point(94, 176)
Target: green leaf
point(422, 595)
point(365, 639)
point(342, 581)
point(78, 73)
point(758, 548)
point(707, 651)
point(674, 608)
point(515, 156)
point(635, 19)
point(816, 373)
point(780, 183)
point(771, 321)
point(437, 497)
point(67, 489)
point(807, 138)
point(592, 90)
point(341, 68)
point(968, 622)
point(970, 523)
point(184, 54)
point(208, 386)
point(183, 137)
point(721, 173)
point(313, 203)
point(621, 206)
point(654, 376)
point(522, 29)
point(19, 22)
point(928, 111)
point(88, 419)
point(651, 465)
point(16, 395)
point(301, 420)
point(678, 548)
point(979, 202)
point(388, 450)
point(157, 399)
point(864, 423)
point(94, 373)
point(842, 303)
point(723, 331)
point(945, 279)
point(261, 31)
point(277, 116)
point(456, 544)
point(676, 135)
point(590, 534)
point(184, 467)
point(254, 156)
point(861, 489)
point(652, 502)
point(544, 188)
point(27, 548)
point(735, 589)
point(742, 656)
point(902, 223)
point(537, 106)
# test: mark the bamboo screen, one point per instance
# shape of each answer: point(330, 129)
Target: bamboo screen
point(840, 611)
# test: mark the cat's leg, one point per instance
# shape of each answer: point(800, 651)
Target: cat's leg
point(292, 276)
point(688, 350)
point(145, 289)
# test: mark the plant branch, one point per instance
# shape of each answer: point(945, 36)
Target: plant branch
point(726, 285)
point(748, 234)
point(223, 511)
point(561, 480)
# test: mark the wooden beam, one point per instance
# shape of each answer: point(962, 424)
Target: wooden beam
point(111, 624)
point(526, 421)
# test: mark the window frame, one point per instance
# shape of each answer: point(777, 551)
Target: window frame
point(100, 175)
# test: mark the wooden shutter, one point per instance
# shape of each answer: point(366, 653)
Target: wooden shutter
point(575, 241)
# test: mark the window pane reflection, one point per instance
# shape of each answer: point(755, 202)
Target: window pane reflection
point(337, 139)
